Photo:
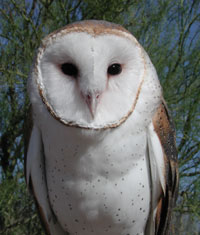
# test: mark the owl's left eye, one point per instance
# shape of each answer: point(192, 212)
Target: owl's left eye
point(114, 69)
point(69, 69)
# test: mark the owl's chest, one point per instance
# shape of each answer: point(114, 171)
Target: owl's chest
point(99, 185)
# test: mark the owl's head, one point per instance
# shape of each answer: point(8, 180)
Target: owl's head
point(91, 74)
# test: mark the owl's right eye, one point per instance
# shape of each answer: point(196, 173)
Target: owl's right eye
point(69, 69)
point(114, 69)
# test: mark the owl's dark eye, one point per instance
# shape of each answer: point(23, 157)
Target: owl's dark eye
point(114, 69)
point(69, 69)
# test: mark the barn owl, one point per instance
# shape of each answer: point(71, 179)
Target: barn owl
point(101, 158)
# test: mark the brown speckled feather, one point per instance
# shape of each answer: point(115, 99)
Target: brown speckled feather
point(165, 130)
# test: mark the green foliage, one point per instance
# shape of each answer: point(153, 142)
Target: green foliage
point(17, 211)
point(169, 30)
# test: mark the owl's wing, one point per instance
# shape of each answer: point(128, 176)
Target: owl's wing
point(36, 180)
point(164, 171)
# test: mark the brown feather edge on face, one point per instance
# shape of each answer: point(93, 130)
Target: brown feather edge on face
point(93, 28)
point(164, 128)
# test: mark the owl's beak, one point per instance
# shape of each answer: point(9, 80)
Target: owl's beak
point(92, 100)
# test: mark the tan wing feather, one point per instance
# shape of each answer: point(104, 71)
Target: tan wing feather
point(164, 128)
